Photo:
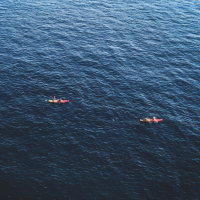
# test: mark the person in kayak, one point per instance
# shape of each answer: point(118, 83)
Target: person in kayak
point(146, 119)
point(54, 99)
point(154, 119)
point(60, 100)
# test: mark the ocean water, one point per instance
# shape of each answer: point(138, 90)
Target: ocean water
point(116, 62)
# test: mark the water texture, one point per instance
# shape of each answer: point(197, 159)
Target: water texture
point(117, 62)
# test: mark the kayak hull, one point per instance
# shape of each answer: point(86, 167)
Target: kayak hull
point(57, 101)
point(151, 120)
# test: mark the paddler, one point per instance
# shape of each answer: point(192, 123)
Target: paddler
point(146, 119)
point(154, 119)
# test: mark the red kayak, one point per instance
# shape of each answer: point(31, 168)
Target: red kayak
point(151, 120)
point(58, 101)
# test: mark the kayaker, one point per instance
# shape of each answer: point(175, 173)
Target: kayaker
point(147, 119)
point(59, 100)
point(154, 119)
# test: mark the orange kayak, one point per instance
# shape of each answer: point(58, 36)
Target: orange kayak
point(151, 120)
point(58, 101)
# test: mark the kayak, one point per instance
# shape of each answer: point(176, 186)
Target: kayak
point(151, 120)
point(57, 101)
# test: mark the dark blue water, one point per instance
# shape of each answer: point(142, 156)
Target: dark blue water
point(116, 62)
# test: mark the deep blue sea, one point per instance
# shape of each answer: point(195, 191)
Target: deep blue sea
point(116, 61)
